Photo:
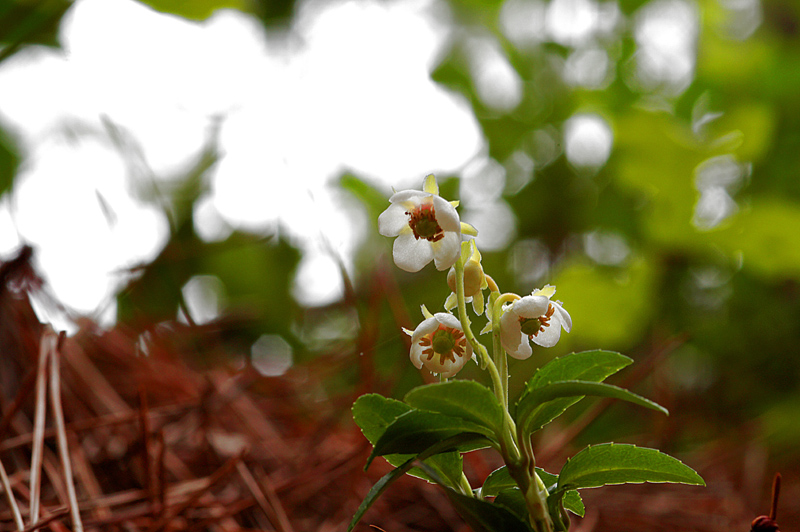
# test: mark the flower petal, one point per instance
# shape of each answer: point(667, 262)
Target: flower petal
point(511, 336)
point(531, 306)
point(411, 254)
point(446, 216)
point(550, 335)
point(563, 315)
point(448, 320)
point(445, 251)
point(409, 198)
point(393, 220)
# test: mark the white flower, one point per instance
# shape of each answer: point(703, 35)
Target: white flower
point(535, 318)
point(439, 344)
point(427, 228)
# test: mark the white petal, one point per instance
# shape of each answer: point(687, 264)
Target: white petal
point(409, 198)
point(514, 342)
point(450, 368)
point(446, 251)
point(531, 306)
point(563, 315)
point(447, 216)
point(411, 254)
point(448, 320)
point(416, 355)
point(425, 327)
point(393, 220)
point(549, 337)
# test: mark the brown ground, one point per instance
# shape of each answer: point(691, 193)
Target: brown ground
point(154, 444)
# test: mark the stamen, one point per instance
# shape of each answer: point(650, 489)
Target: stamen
point(423, 223)
point(544, 322)
point(456, 344)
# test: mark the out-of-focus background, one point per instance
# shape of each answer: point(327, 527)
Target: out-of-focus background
point(200, 181)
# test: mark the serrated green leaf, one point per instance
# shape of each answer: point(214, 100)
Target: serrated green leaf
point(467, 400)
point(417, 430)
point(373, 413)
point(484, 516)
point(611, 463)
point(398, 472)
point(528, 410)
point(594, 366)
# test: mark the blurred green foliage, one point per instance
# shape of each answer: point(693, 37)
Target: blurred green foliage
point(725, 283)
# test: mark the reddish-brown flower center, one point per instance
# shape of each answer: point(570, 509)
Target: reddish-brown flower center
point(533, 326)
point(422, 220)
point(447, 342)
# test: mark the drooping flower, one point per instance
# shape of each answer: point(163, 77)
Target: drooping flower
point(533, 318)
point(439, 344)
point(427, 228)
point(474, 279)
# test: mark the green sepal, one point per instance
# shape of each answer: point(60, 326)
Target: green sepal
point(612, 463)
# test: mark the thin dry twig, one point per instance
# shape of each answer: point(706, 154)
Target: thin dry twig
point(12, 502)
point(46, 346)
point(61, 432)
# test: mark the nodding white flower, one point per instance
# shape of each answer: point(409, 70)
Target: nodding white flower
point(535, 318)
point(474, 279)
point(439, 344)
point(427, 228)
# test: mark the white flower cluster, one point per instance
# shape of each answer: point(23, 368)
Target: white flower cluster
point(428, 228)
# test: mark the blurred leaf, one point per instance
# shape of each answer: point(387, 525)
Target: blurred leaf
point(612, 305)
point(25, 22)
point(767, 237)
point(612, 463)
point(194, 9)
point(468, 400)
point(374, 200)
point(9, 161)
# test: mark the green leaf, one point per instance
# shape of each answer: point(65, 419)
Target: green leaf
point(417, 430)
point(611, 463)
point(196, 9)
point(500, 481)
point(373, 413)
point(527, 410)
point(398, 472)
point(9, 160)
point(484, 516)
point(467, 400)
point(594, 366)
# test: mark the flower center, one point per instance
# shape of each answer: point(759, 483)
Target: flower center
point(423, 223)
point(447, 342)
point(533, 326)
